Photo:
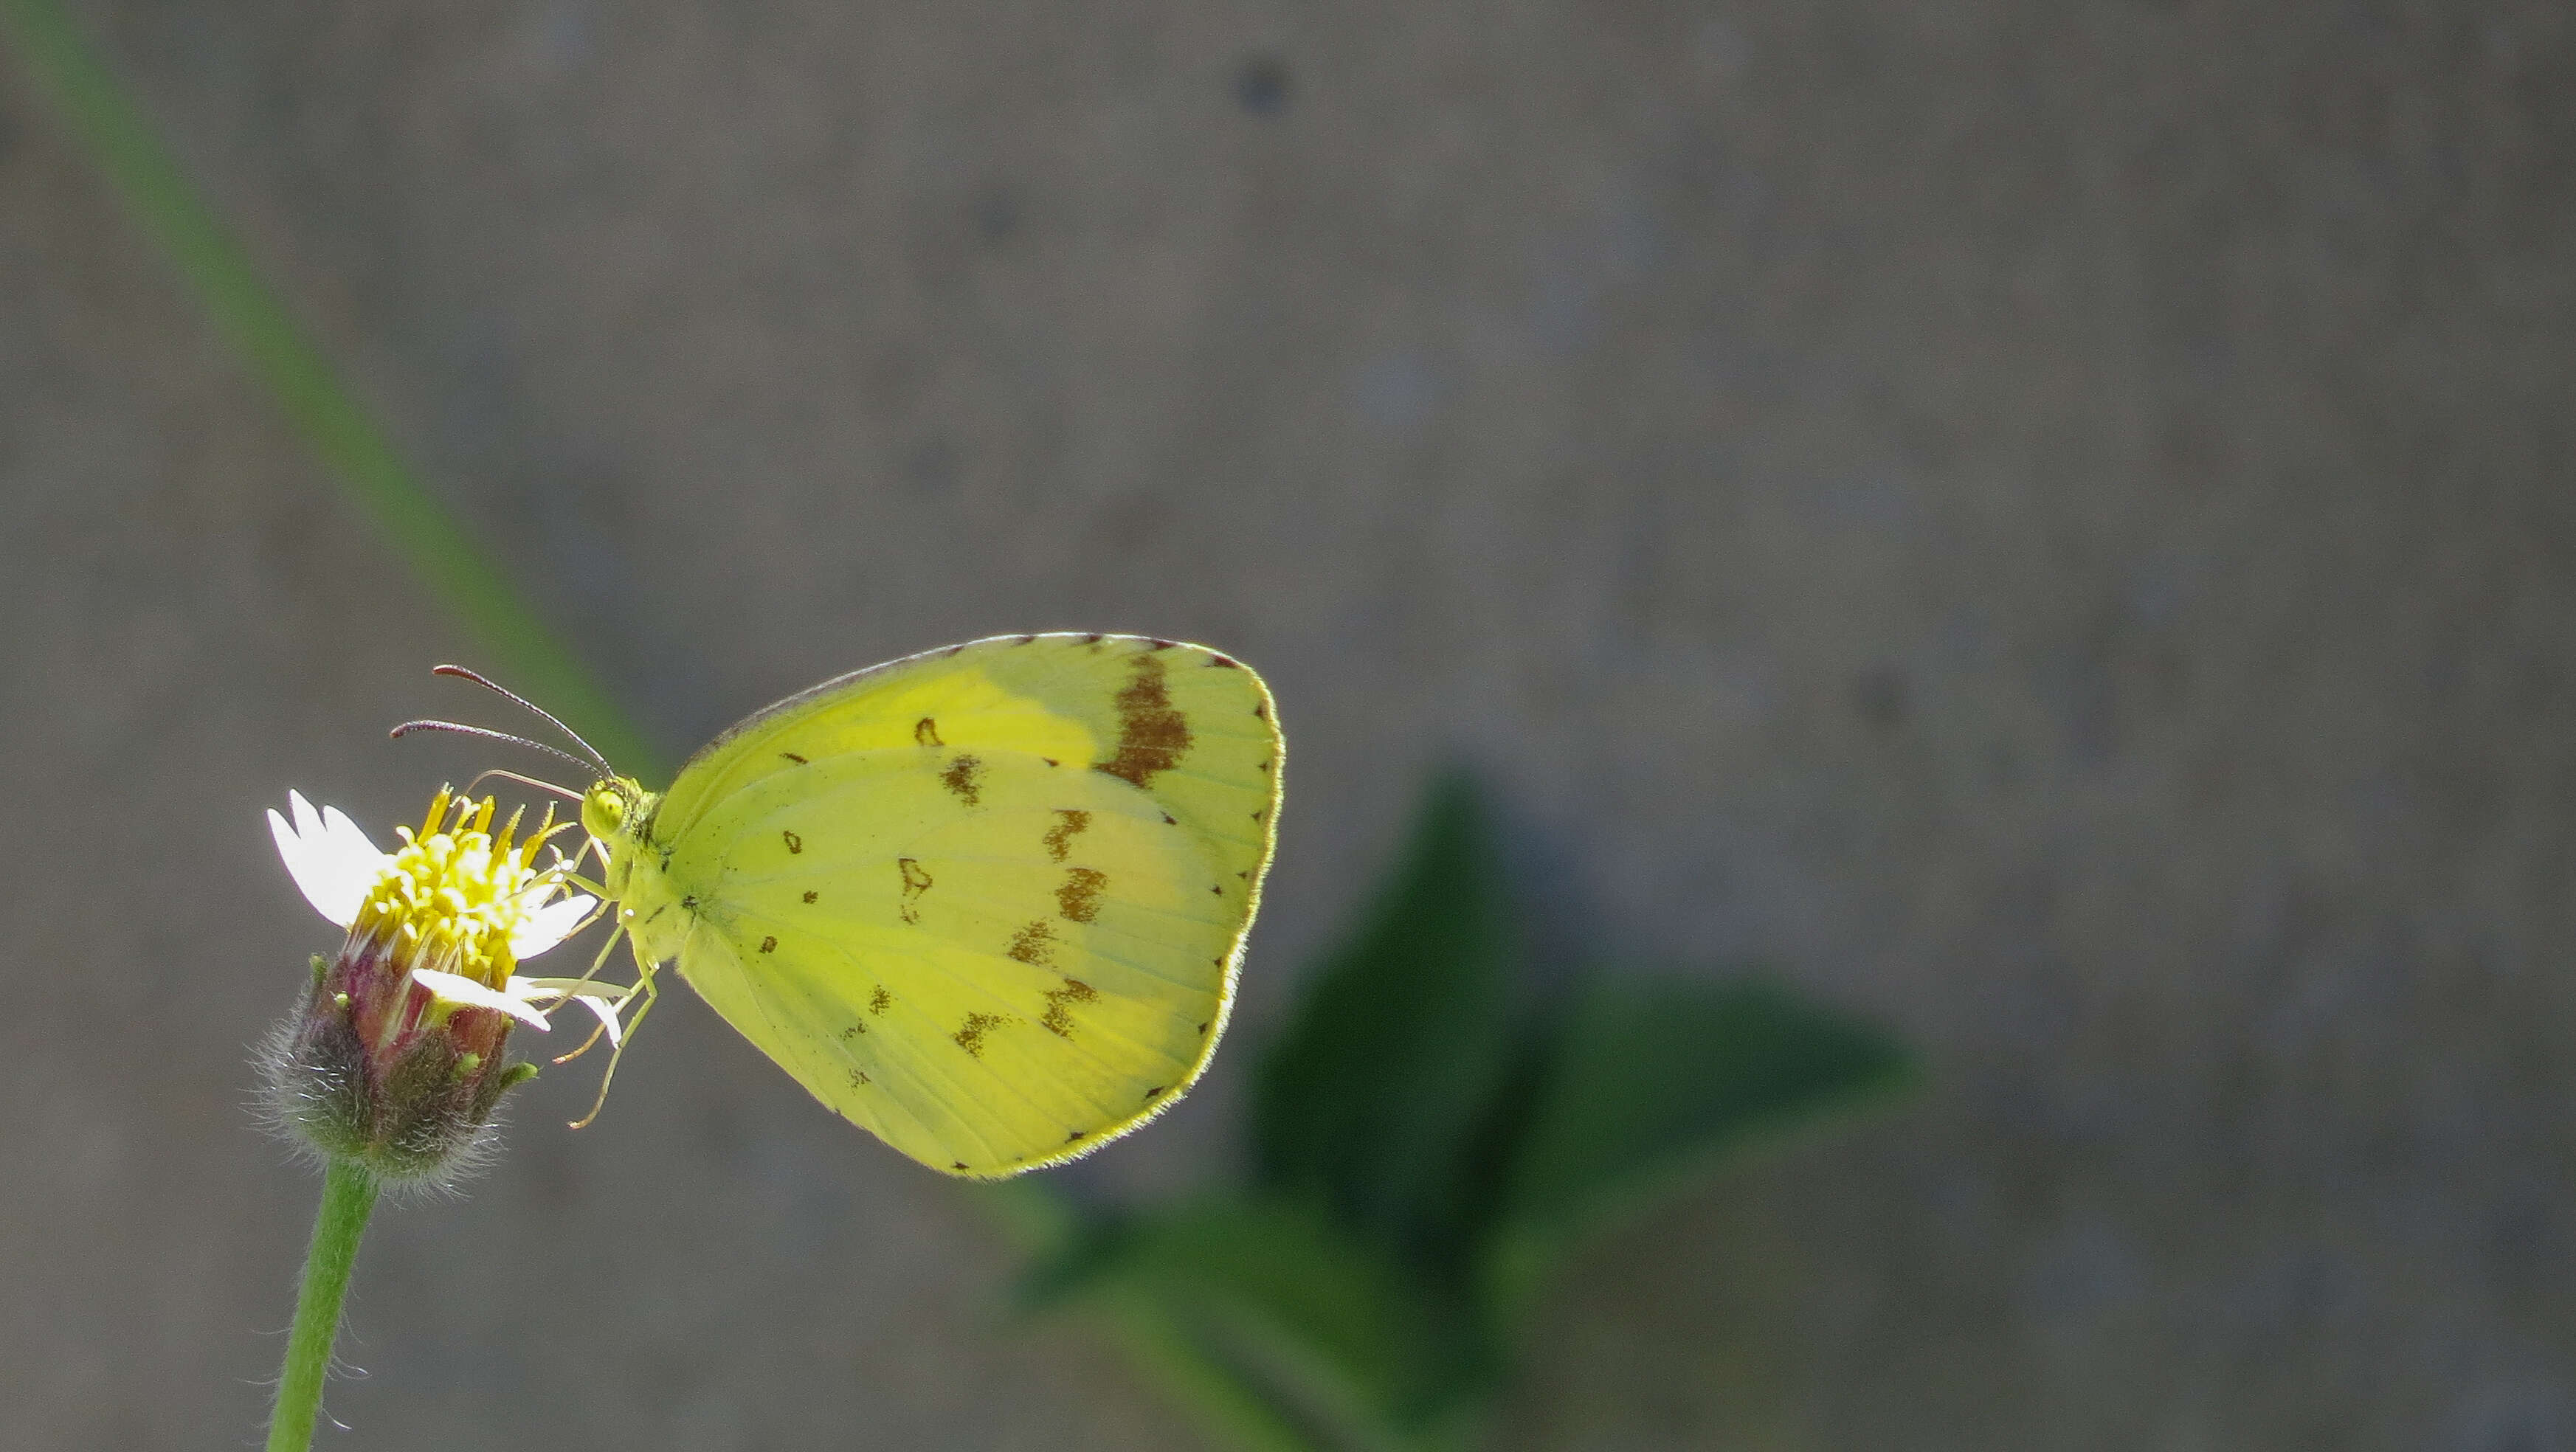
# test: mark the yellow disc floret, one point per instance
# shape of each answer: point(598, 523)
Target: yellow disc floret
point(454, 893)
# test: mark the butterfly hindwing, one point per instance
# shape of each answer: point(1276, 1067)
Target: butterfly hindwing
point(985, 902)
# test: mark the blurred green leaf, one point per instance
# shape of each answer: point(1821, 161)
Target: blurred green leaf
point(1650, 1083)
point(1062, 1243)
point(1374, 1099)
point(1317, 1325)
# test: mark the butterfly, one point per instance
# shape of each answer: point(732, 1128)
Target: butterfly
point(987, 902)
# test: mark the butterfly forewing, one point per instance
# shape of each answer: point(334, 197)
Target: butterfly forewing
point(985, 902)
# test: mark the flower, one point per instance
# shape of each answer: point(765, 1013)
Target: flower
point(395, 1058)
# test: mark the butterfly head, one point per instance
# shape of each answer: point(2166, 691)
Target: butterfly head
point(610, 805)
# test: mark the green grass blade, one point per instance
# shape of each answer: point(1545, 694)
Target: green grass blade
point(101, 115)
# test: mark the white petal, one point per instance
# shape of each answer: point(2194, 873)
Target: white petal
point(331, 861)
point(593, 996)
point(345, 836)
point(550, 925)
point(607, 1016)
point(456, 988)
point(535, 989)
point(289, 846)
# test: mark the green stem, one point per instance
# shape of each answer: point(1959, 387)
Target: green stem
point(104, 118)
point(348, 1197)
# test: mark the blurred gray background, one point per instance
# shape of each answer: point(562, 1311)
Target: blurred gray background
point(2049, 525)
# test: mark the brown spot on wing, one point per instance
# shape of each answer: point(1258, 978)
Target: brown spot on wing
point(1152, 733)
point(1157, 1089)
point(1033, 944)
point(1079, 898)
point(970, 1034)
point(1218, 660)
point(1059, 1015)
point(926, 731)
point(769, 945)
point(1071, 1135)
point(960, 778)
point(858, 1077)
point(879, 1000)
point(811, 894)
point(794, 843)
point(792, 756)
point(915, 883)
point(1059, 838)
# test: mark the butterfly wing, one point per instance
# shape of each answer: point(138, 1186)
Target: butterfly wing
point(986, 902)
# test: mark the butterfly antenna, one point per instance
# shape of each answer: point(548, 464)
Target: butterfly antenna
point(487, 734)
point(531, 707)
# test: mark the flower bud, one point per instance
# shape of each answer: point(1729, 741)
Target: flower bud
point(375, 1068)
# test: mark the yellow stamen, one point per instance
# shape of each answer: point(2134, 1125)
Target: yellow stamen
point(453, 897)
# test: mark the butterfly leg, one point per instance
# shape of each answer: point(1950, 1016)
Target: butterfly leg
point(595, 964)
point(651, 996)
point(585, 1044)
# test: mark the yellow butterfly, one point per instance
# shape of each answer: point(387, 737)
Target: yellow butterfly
point(987, 902)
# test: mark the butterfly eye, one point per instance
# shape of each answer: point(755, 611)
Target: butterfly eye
point(603, 810)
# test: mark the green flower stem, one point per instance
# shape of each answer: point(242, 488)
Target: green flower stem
point(348, 1197)
point(101, 115)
